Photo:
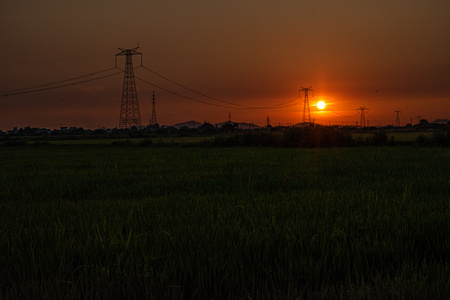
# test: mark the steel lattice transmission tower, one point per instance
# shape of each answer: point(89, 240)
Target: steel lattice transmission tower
point(306, 111)
point(129, 110)
point(397, 118)
point(153, 120)
point(363, 118)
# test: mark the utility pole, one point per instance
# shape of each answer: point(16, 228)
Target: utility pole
point(153, 119)
point(306, 111)
point(397, 118)
point(363, 118)
point(129, 109)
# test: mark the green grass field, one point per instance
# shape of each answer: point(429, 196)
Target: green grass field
point(397, 136)
point(105, 141)
point(393, 138)
point(102, 222)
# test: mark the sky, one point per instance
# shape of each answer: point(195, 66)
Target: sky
point(253, 55)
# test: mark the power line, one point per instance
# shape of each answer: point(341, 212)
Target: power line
point(217, 99)
point(74, 81)
point(378, 121)
point(57, 86)
point(180, 95)
point(13, 92)
point(339, 114)
point(214, 104)
point(345, 116)
point(78, 80)
point(38, 61)
point(189, 89)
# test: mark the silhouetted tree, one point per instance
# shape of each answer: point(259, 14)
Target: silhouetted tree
point(229, 127)
point(207, 128)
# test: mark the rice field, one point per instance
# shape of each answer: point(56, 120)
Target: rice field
point(103, 222)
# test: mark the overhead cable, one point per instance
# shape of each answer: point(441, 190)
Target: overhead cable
point(57, 86)
point(216, 99)
point(177, 94)
point(384, 122)
point(10, 92)
point(205, 102)
point(345, 116)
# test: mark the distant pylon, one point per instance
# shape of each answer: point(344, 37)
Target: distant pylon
point(153, 119)
point(129, 110)
point(306, 111)
point(363, 118)
point(397, 119)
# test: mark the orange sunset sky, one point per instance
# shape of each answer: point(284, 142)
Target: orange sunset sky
point(384, 55)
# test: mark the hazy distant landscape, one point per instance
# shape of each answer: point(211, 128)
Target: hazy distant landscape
point(235, 134)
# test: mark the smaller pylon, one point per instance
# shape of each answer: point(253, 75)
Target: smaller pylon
point(153, 119)
point(397, 118)
point(363, 118)
point(306, 111)
point(418, 119)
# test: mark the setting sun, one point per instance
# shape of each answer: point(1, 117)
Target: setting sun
point(321, 105)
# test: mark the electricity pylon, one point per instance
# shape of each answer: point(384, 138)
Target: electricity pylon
point(397, 119)
point(153, 119)
point(129, 110)
point(306, 110)
point(363, 118)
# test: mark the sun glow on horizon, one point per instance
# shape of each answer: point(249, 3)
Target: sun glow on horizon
point(321, 105)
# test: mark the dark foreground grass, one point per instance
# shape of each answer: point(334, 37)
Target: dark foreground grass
point(236, 223)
